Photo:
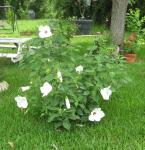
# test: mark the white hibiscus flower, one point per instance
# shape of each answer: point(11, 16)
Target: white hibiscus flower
point(44, 32)
point(79, 69)
point(59, 75)
point(67, 102)
point(106, 93)
point(96, 115)
point(25, 88)
point(46, 89)
point(21, 102)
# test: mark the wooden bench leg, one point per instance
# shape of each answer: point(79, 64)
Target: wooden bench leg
point(20, 47)
point(19, 54)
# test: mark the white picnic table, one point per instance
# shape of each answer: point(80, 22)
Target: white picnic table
point(17, 43)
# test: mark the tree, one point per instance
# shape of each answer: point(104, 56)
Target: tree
point(2, 2)
point(119, 8)
point(2, 14)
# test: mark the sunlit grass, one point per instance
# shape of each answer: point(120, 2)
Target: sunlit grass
point(24, 28)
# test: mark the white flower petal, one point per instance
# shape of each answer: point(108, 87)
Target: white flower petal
point(21, 102)
point(59, 75)
point(44, 32)
point(46, 89)
point(91, 118)
point(106, 93)
point(67, 102)
point(41, 35)
point(41, 28)
point(79, 69)
point(96, 115)
point(25, 88)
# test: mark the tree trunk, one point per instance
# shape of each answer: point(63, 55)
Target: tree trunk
point(119, 8)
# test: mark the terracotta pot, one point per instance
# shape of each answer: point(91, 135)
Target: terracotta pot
point(130, 58)
point(132, 37)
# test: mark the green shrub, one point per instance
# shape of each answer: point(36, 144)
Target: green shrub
point(74, 81)
point(134, 22)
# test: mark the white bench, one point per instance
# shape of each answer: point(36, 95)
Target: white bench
point(14, 43)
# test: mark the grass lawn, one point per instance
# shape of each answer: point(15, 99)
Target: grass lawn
point(123, 127)
point(25, 28)
point(30, 28)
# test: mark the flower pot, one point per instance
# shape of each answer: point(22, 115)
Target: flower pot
point(130, 58)
point(132, 37)
point(84, 26)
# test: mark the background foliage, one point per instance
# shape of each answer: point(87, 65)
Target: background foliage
point(100, 10)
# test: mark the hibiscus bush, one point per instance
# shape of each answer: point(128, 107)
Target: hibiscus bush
point(66, 85)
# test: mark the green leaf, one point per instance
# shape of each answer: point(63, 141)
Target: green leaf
point(80, 112)
point(74, 117)
point(57, 125)
point(53, 117)
point(66, 124)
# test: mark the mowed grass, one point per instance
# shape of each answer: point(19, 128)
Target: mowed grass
point(24, 28)
point(123, 127)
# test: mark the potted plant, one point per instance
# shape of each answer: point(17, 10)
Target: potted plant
point(84, 22)
point(130, 51)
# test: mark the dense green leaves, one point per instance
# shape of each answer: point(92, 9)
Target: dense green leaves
point(82, 87)
point(134, 21)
